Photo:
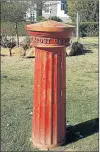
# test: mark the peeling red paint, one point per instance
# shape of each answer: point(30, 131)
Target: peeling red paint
point(49, 112)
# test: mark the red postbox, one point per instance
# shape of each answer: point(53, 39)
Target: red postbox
point(50, 39)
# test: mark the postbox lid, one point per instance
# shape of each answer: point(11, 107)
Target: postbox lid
point(49, 26)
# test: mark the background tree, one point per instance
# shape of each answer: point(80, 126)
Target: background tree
point(14, 11)
point(88, 9)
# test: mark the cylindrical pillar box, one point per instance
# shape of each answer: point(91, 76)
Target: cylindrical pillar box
point(50, 39)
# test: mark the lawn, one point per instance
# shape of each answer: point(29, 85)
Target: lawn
point(17, 81)
point(88, 40)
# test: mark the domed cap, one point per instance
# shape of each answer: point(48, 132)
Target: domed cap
point(49, 26)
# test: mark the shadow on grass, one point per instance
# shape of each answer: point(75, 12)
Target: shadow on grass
point(79, 52)
point(87, 51)
point(81, 130)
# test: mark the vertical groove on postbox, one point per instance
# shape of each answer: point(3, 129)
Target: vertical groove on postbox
point(55, 99)
point(60, 99)
point(58, 96)
point(43, 96)
point(64, 85)
point(37, 96)
point(49, 99)
point(64, 89)
point(50, 39)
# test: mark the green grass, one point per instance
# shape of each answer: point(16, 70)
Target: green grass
point(16, 101)
point(88, 40)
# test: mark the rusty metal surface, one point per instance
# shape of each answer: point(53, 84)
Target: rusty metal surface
point(49, 26)
point(49, 97)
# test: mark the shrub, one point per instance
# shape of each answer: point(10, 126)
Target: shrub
point(89, 29)
point(25, 43)
point(55, 18)
point(76, 49)
point(40, 19)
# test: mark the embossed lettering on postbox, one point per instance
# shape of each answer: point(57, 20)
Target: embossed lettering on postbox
point(43, 40)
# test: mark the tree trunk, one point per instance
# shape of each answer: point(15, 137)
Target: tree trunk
point(17, 36)
point(10, 51)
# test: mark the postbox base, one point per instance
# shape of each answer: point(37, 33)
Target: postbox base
point(47, 147)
